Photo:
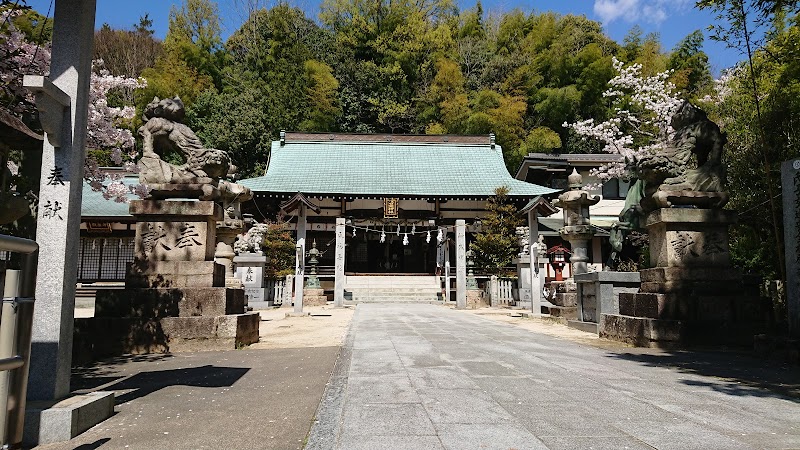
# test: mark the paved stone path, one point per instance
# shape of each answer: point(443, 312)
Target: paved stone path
point(237, 400)
point(428, 377)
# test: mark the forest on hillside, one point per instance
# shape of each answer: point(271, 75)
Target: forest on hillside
point(394, 67)
point(426, 66)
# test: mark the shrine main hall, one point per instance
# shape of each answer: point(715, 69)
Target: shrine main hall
point(399, 200)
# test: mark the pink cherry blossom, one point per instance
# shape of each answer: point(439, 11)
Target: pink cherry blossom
point(106, 124)
point(654, 102)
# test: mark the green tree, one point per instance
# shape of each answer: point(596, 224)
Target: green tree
point(279, 248)
point(496, 244)
point(741, 23)
point(127, 52)
point(192, 57)
point(321, 90)
point(691, 71)
point(193, 36)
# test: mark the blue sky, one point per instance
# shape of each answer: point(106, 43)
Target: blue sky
point(672, 19)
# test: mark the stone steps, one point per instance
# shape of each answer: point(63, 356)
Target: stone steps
point(392, 289)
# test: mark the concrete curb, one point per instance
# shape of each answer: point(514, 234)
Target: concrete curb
point(325, 430)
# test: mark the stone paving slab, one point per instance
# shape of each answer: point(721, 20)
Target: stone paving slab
point(428, 377)
point(238, 399)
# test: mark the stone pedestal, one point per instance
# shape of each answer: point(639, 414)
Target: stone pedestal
point(476, 299)
point(250, 271)
point(598, 292)
point(175, 296)
point(692, 294)
point(564, 300)
point(314, 297)
point(523, 264)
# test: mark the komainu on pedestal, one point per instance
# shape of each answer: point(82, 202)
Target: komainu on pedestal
point(691, 294)
point(175, 296)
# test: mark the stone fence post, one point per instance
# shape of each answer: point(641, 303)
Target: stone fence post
point(287, 292)
point(790, 180)
point(494, 291)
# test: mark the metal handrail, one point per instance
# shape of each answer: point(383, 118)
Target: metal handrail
point(16, 321)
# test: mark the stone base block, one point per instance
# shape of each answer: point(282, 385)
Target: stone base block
point(589, 327)
point(692, 306)
point(48, 422)
point(642, 331)
point(157, 303)
point(476, 299)
point(99, 337)
point(565, 299)
point(651, 306)
point(188, 334)
point(314, 297)
point(566, 312)
point(175, 274)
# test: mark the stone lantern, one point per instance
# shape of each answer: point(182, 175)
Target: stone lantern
point(577, 226)
point(312, 282)
point(313, 294)
point(472, 283)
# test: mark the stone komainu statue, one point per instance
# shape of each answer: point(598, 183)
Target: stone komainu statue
point(693, 159)
point(202, 173)
point(163, 134)
point(688, 172)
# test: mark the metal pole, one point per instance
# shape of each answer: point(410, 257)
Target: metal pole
point(7, 330)
point(22, 289)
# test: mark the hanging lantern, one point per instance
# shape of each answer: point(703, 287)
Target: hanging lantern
point(428, 237)
point(405, 239)
point(440, 237)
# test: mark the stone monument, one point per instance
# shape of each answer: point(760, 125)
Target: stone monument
point(790, 180)
point(250, 262)
point(175, 295)
point(690, 293)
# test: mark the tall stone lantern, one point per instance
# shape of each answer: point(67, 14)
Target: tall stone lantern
point(313, 293)
point(577, 228)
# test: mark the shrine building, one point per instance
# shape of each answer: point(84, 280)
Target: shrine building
point(398, 197)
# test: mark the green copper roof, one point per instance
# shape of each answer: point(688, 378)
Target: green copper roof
point(94, 205)
point(415, 169)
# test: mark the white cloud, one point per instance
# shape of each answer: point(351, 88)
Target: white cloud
point(652, 11)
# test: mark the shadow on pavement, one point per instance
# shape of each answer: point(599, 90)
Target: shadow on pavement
point(107, 374)
point(94, 445)
point(145, 383)
point(736, 374)
point(91, 376)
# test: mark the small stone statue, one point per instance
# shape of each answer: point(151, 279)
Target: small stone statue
point(522, 241)
point(251, 241)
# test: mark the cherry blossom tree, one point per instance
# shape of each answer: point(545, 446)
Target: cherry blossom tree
point(644, 106)
point(106, 124)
